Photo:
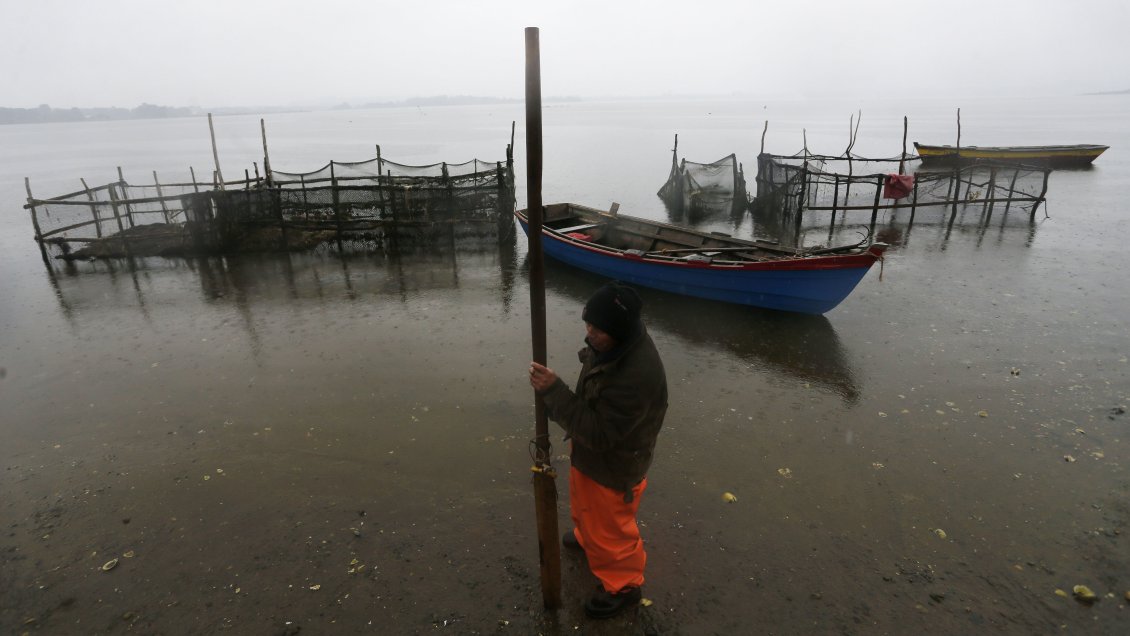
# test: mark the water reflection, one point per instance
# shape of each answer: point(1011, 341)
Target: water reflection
point(707, 210)
point(98, 292)
point(801, 347)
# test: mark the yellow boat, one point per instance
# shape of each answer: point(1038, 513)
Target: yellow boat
point(1050, 156)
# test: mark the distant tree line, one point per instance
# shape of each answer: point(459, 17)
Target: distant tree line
point(45, 114)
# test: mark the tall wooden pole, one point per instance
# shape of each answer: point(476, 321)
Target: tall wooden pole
point(545, 485)
point(902, 157)
point(266, 155)
point(215, 153)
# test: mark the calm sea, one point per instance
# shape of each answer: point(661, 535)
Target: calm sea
point(945, 450)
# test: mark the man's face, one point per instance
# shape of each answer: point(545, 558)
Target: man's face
point(599, 340)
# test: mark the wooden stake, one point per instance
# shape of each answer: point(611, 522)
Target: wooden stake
point(1011, 190)
point(164, 208)
point(875, 205)
point(380, 190)
point(545, 487)
point(118, 217)
point(763, 131)
point(215, 153)
point(266, 155)
point(125, 196)
point(987, 209)
point(913, 203)
point(958, 146)
point(336, 198)
point(93, 208)
point(902, 157)
point(35, 224)
point(34, 216)
point(1043, 193)
point(835, 202)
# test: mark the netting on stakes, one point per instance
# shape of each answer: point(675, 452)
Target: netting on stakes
point(369, 200)
point(789, 186)
point(705, 187)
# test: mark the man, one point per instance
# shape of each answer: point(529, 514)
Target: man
point(613, 418)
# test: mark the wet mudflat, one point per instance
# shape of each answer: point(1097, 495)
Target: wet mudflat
point(322, 444)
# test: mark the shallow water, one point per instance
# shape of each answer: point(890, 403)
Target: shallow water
point(249, 426)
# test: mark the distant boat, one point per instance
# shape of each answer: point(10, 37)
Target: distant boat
point(1049, 156)
point(702, 264)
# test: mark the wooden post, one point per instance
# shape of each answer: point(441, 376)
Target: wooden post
point(118, 217)
point(380, 186)
point(875, 204)
point(164, 208)
point(957, 146)
point(764, 130)
point(902, 157)
point(835, 203)
point(800, 202)
point(447, 189)
point(266, 155)
point(195, 187)
point(987, 208)
point(125, 195)
point(1011, 190)
point(336, 198)
point(305, 200)
point(93, 208)
point(392, 206)
point(215, 153)
point(1043, 192)
point(913, 202)
point(34, 216)
point(956, 189)
point(505, 212)
point(545, 487)
point(35, 223)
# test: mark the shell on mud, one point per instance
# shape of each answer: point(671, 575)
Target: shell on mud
point(1084, 594)
point(941, 533)
point(646, 602)
point(1059, 592)
point(128, 554)
point(1127, 596)
point(109, 565)
point(785, 472)
point(729, 497)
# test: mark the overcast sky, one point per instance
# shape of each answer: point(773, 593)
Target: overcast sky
point(213, 53)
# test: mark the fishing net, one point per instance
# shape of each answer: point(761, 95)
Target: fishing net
point(705, 187)
point(795, 184)
point(376, 199)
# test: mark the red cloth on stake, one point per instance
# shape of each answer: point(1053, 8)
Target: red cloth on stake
point(898, 186)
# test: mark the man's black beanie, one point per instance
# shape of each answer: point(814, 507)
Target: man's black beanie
point(614, 309)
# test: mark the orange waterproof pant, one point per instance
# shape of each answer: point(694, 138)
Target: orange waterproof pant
point(606, 528)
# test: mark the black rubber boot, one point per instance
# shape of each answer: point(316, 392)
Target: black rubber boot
point(569, 540)
point(605, 605)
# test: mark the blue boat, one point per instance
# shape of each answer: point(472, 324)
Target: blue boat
point(702, 264)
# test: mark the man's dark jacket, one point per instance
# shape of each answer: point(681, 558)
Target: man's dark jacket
point(615, 414)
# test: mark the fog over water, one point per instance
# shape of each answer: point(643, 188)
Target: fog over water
point(252, 428)
point(213, 54)
point(338, 443)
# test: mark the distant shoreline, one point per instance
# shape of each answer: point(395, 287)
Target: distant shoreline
point(45, 114)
